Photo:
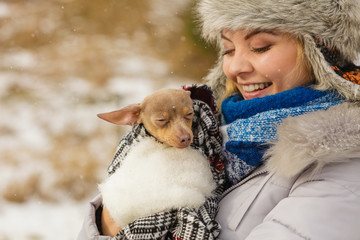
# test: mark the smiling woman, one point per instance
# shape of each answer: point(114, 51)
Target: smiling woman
point(290, 86)
point(247, 55)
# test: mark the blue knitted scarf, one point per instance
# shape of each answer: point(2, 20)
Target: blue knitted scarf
point(248, 125)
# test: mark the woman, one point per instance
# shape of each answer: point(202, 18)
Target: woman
point(287, 74)
point(290, 117)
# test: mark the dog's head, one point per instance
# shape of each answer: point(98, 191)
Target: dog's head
point(166, 114)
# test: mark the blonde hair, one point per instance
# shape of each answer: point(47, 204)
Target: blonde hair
point(302, 65)
point(230, 88)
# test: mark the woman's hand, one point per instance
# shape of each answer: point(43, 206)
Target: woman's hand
point(108, 225)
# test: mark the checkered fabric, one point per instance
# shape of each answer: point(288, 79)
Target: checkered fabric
point(183, 223)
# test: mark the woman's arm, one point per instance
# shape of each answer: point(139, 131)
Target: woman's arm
point(93, 219)
point(108, 225)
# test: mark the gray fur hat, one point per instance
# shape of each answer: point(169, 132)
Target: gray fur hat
point(322, 25)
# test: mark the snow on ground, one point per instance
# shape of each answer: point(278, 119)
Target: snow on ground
point(41, 220)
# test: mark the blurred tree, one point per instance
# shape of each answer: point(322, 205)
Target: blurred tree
point(50, 28)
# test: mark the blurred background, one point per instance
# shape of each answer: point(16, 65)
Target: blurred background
point(62, 62)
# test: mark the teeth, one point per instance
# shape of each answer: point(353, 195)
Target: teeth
point(255, 87)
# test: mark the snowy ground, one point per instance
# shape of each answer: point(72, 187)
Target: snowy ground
point(56, 75)
point(41, 220)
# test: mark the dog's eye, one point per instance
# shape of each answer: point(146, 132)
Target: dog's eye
point(162, 121)
point(189, 116)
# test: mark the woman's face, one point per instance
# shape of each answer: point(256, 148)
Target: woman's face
point(262, 63)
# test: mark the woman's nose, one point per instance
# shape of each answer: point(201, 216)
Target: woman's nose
point(240, 65)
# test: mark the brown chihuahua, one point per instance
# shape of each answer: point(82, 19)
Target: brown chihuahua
point(166, 114)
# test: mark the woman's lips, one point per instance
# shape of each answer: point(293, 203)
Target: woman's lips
point(255, 90)
point(255, 87)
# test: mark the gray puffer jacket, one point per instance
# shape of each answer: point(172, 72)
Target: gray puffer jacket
point(308, 189)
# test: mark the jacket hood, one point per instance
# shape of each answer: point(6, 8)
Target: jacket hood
point(335, 22)
point(315, 140)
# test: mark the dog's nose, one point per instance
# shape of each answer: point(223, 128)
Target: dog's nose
point(185, 139)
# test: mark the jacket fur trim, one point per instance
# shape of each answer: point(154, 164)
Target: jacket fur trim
point(335, 22)
point(315, 140)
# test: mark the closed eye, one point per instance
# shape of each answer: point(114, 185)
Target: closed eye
point(161, 122)
point(226, 52)
point(189, 116)
point(261, 50)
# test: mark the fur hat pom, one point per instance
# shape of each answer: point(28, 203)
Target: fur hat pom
point(335, 22)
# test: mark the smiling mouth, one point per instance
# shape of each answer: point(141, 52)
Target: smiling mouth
point(255, 87)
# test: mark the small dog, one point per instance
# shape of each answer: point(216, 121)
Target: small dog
point(159, 173)
point(166, 114)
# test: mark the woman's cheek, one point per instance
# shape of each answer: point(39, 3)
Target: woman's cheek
point(267, 65)
point(225, 67)
point(275, 66)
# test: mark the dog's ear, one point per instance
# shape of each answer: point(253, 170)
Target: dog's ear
point(128, 115)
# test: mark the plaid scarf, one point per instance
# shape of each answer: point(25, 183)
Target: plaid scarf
point(250, 125)
point(183, 223)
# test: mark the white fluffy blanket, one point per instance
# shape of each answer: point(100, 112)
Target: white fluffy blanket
point(155, 177)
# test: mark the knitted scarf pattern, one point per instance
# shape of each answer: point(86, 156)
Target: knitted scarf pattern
point(183, 223)
point(249, 126)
